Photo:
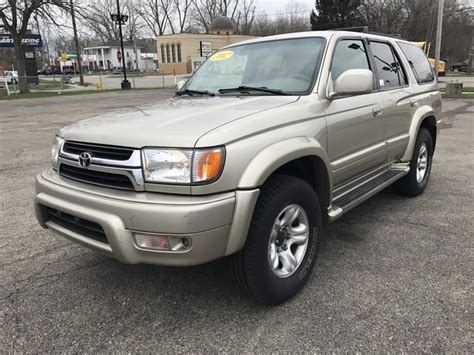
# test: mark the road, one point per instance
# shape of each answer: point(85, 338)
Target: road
point(395, 274)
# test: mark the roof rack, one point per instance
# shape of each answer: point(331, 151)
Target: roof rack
point(365, 29)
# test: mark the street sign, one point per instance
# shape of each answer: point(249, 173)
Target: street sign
point(206, 48)
point(63, 56)
point(119, 55)
point(28, 40)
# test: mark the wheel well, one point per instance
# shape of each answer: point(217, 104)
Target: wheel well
point(313, 170)
point(430, 124)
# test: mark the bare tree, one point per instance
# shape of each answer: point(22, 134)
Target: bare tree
point(16, 17)
point(205, 11)
point(245, 17)
point(156, 15)
point(181, 9)
point(293, 19)
point(97, 18)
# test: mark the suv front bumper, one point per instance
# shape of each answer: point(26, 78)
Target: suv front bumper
point(216, 225)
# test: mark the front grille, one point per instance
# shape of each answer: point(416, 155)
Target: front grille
point(98, 151)
point(116, 181)
point(81, 226)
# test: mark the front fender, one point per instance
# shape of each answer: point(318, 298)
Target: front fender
point(420, 114)
point(278, 154)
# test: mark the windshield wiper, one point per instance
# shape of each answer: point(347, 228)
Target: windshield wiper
point(253, 88)
point(195, 92)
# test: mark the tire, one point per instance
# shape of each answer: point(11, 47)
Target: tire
point(252, 269)
point(411, 184)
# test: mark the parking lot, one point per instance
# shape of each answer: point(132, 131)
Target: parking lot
point(395, 274)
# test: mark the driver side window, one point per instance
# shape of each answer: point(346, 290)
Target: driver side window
point(349, 54)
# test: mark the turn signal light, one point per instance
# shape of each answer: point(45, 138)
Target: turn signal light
point(208, 164)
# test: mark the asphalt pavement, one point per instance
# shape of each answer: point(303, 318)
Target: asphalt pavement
point(394, 274)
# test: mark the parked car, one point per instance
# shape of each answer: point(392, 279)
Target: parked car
point(10, 77)
point(266, 142)
point(460, 67)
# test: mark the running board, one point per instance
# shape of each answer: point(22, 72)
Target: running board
point(353, 198)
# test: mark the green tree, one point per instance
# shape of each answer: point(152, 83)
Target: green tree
point(329, 14)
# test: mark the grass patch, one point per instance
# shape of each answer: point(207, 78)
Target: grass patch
point(469, 89)
point(454, 96)
point(44, 94)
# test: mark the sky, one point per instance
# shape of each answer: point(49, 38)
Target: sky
point(274, 6)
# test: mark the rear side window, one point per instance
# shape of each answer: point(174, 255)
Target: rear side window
point(349, 54)
point(418, 62)
point(388, 67)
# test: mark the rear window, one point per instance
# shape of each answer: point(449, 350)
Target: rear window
point(418, 62)
point(388, 67)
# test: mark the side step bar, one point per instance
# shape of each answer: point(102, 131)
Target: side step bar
point(347, 201)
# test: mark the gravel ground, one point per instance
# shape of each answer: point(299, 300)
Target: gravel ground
point(395, 274)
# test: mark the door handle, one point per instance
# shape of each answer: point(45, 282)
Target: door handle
point(377, 111)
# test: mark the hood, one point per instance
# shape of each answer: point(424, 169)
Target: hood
point(177, 122)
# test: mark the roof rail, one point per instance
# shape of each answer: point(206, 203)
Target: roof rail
point(365, 29)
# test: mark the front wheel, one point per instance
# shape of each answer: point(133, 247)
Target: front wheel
point(414, 183)
point(282, 243)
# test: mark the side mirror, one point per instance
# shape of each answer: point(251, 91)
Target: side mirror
point(352, 82)
point(180, 85)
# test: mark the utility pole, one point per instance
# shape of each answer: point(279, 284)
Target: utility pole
point(76, 42)
point(471, 52)
point(125, 82)
point(439, 32)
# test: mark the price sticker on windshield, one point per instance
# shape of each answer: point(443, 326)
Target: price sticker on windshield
point(224, 55)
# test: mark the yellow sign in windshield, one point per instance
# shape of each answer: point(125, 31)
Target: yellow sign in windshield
point(224, 55)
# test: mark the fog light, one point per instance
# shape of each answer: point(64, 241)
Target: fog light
point(162, 242)
point(150, 241)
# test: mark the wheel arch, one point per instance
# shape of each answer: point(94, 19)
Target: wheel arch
point(301, 157)
point(425, 117)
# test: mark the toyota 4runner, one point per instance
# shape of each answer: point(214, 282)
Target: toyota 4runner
point(269, 139)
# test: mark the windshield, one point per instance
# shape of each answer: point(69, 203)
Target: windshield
point(288, 66)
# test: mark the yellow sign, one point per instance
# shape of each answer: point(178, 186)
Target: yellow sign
point(224, 55)
point(63, 56)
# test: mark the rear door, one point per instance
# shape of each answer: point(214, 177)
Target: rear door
point(355, 124)
point(393, 84)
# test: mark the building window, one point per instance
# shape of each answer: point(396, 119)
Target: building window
point(173, 52)
point(178, 47)
point(162, 53)
point(168, 54)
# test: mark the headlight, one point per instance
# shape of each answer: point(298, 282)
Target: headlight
point(57, 144)
point(183, 166)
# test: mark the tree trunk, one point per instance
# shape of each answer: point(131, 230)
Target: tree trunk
point(20, 64)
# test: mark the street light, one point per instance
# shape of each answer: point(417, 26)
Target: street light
point(121, 19)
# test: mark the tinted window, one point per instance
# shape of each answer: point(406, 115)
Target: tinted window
point(349, 54)
point(388, 67)
point(418, 62)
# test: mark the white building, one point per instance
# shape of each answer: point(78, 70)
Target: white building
point(104, 57)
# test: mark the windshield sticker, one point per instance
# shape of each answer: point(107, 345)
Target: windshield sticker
point(224, 55)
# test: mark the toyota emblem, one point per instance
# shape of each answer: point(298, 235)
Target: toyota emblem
point(85, 159)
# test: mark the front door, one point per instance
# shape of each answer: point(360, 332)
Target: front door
point(355, 124)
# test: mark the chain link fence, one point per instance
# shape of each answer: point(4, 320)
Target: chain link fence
point(10, 85)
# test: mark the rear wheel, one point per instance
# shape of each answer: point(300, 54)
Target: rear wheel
point(282, 243)
point(414, 183)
